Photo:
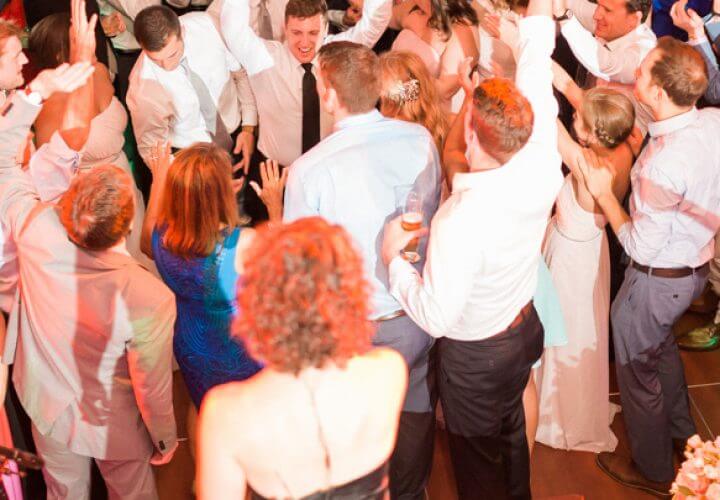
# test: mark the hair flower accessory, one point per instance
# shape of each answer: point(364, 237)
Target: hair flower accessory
point(401, 92)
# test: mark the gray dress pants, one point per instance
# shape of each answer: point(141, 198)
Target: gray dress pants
point(650, 372)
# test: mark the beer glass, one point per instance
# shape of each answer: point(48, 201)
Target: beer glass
point(409, 203)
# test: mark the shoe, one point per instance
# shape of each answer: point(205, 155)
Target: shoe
point(623, 470)
point(704, 338)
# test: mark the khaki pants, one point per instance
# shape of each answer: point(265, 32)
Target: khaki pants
point(67, 474)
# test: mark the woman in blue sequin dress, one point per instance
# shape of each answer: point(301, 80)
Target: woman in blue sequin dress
point(192, 231)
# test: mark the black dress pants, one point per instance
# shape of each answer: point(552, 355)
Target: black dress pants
point(481, 386)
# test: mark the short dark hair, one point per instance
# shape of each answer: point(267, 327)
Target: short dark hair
point(680, 71)
point(502, 118)
point(154, 25)
point(642, 6)
point(98, 207)
point(49, 41)
point(303, 9)
point(353, 71)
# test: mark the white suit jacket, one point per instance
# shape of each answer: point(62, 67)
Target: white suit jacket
point(90, 332)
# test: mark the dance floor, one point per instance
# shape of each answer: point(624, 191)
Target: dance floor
point(557, 475)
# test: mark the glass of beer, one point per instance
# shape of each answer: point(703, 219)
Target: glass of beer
point(409, 203)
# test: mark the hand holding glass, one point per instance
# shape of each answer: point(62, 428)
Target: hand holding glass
point(410, 205)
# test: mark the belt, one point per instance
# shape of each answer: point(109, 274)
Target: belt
point(520, 316)
point(389, 316)
point(665, 272)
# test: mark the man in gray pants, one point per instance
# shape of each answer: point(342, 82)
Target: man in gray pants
point(669, 235)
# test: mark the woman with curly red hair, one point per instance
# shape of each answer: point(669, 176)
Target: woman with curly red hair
point(323, 414)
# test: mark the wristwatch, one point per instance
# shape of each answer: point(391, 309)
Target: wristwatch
point(567, 15)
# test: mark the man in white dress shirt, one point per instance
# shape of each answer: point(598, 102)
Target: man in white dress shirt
point(350, 179)
point(476, 290)
point(669, 235)
point(283, 74)
point(186, 87)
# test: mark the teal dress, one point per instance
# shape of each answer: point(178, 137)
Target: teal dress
point(205, 293)
point(547, 305)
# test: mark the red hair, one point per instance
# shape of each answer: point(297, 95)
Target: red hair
point(303, 298)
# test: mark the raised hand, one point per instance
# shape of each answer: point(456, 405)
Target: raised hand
point(468, 77)
point(82, 33)
point(160, 160)
point(64, 78)
point(273, 185)
point(687, 19)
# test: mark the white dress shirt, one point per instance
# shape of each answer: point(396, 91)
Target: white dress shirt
point(349, 179)
point(482, 258)
point(274, 9)
point(91, 332)
point(614, 61)
point(164, 104)
point(675, 202)
point(276, 76)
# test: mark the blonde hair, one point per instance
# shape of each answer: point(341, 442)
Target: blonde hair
point(399, 67)
point(609, 115)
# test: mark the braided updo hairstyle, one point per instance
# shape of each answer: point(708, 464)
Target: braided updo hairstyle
point(609, 115)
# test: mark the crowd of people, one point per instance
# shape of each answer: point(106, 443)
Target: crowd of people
point(365, 221)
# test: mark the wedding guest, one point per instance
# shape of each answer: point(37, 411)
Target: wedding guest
point(192, 231)
point(283, 76)
point(496, 57)
point(49, 47)
point(362, 164)
point(442, 34)
point(478, 282)
point(575, 412)
point(12, 58)
point(669, 235)
point(706, 336)
point(64, 368)
point(408, 93)
point(322, 417)
point(610, 38)
point(186, 87)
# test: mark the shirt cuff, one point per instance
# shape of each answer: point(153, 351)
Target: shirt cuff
point(398, 270)
point(699, 40)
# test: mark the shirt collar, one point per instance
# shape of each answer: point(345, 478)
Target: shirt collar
point(673, 124)
point(361, 119)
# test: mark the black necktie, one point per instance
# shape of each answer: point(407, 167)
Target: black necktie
point(311, 110)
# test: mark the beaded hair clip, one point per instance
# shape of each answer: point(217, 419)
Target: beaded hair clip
point(401, 92)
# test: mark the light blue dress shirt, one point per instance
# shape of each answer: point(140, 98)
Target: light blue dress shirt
point(349, 179)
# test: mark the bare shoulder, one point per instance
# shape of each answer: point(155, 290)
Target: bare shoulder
point(387, 365)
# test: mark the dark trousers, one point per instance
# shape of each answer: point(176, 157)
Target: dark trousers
point(481, 386)
point(411, 460)
point(650, 372)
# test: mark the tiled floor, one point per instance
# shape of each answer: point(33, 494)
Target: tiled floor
point(555, 474)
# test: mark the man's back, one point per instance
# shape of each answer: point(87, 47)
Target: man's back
point(85, 322)
point(349, 179)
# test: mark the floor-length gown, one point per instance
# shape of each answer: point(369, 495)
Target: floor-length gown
point(105, 146)
point(573, 381)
